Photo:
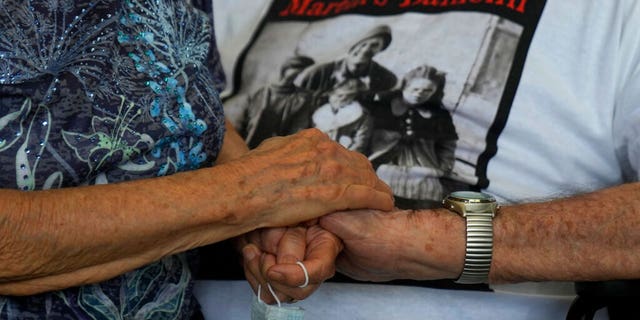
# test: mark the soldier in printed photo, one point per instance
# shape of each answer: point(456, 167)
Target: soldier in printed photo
point(277, 109)
point(357, 64)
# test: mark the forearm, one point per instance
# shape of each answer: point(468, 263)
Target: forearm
point(86, 275)
point(124, 226)
point(54, 239)
point(233, 146)
point(588, 237)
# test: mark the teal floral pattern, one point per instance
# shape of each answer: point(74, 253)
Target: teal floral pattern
point(99, 92)
point(112, 140)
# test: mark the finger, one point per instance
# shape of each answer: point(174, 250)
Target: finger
point(266, 262)
point(252, 280)
point(255, 238)
point(322, 250)
point(345, 224)
point(355, 196)
point(270, 239)
point(294, 293)
point(240, 242)
point(362, 197)
point(292, 245)
point(383, 187)
point(331, 198)
point(251, 264)
point(298, 292)
point(378, 184)
point(289, 277)
point(321, 253)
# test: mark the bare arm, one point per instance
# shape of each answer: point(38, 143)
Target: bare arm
point(110, 228)
point(233, 147)
point(60, 238)
point(588, 237)
point(583, 238)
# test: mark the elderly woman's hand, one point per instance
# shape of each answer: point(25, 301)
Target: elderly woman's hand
point(288, 180)
point(271, 256)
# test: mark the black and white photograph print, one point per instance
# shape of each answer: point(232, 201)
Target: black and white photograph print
point(398, 89)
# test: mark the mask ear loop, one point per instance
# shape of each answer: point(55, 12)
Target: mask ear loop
point(306, 275)
point(272, 293)
point(304, 285)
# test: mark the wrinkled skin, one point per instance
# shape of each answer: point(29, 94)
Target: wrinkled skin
point(270, 256)
point(383, 246)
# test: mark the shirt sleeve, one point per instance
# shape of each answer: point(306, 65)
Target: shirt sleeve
point(214, 61)
point(626, 122)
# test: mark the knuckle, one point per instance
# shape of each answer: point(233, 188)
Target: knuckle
point(330, 148)
point(295, 238)
point(311, 168)
point(332, 169)
point(312, 133)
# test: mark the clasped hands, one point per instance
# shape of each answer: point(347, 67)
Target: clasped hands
point(327, 184)
point(272, 255)
point(368, 245)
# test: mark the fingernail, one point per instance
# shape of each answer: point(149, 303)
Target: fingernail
point(248, 253)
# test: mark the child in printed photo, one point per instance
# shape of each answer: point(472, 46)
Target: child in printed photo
point(343, 118)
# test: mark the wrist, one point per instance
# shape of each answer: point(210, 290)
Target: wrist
point(456, 237)
point(441, 249)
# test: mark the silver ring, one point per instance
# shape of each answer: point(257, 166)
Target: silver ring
point(306, 275)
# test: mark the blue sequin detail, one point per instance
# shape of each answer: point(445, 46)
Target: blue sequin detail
point(108, 90)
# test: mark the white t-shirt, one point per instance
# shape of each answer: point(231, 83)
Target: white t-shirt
point(544, 95)
point(574, 121)
point(574, 117)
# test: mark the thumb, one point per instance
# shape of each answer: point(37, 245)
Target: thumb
point(343, 224)
point(292, 245)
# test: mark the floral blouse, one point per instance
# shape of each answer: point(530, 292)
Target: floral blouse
point(103, 91)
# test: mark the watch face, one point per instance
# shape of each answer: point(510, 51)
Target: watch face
point(472, 196)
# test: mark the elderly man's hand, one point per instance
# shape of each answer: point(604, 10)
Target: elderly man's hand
point(271, 256)
point(383, 246)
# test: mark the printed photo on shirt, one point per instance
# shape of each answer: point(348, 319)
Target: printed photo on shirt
point(398, 88)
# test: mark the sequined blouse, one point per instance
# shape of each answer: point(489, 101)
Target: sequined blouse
point(104, 91)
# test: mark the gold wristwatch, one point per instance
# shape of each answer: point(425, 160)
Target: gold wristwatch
point(478, 209)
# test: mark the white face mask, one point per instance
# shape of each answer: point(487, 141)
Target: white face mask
point(263, 311)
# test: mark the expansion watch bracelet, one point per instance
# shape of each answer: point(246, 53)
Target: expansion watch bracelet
point(478, 209)
point(479, 249)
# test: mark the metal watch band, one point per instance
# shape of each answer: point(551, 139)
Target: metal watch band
point(479, 249)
